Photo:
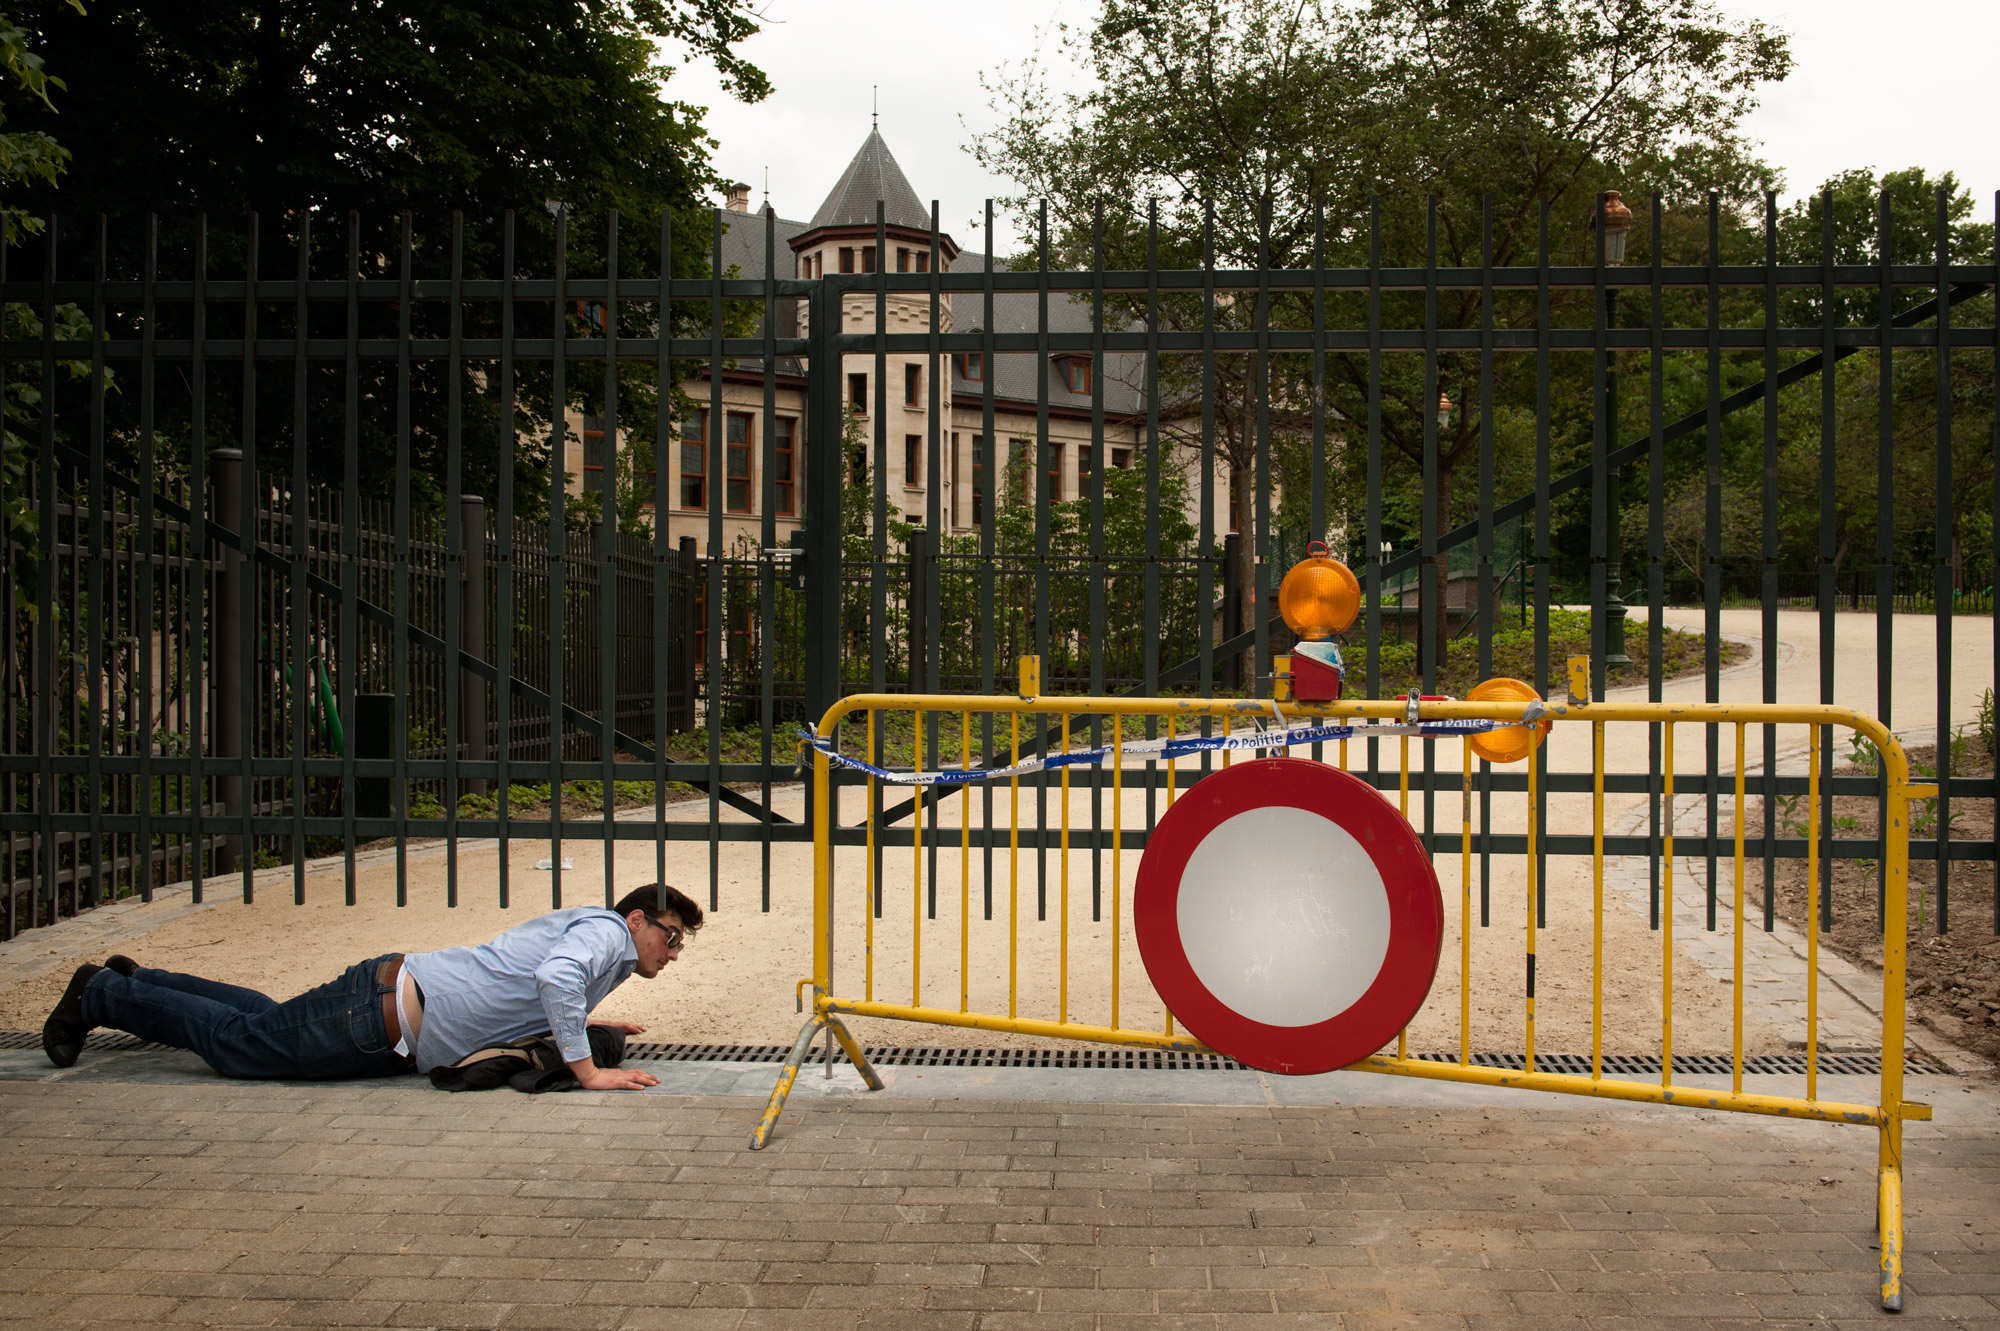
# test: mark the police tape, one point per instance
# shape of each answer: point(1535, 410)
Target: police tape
point(1162, 750)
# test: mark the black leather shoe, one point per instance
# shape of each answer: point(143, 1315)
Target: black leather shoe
point(63, 1032)
point(121, 963)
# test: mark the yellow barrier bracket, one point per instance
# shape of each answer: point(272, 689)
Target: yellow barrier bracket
point(1031, 678)
point(1281, 678)
point(1579, 680)
point(1916, 1111)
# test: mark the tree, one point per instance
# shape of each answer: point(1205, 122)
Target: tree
point(386, 107)
point(27, 158)
point(1245, 119)
point(315, 110)
point(1920, 213)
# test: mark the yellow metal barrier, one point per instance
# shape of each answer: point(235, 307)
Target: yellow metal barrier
point(1180, 715)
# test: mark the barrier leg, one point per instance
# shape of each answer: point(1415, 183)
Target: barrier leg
point(853, 1051)
point(786, 1076)
point(1889, 1217)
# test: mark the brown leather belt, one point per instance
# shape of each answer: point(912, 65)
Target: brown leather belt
point(389, 978)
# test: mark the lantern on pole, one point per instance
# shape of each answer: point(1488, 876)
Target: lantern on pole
point(1319, 597)
point(1515, 742)
point(1615, 219)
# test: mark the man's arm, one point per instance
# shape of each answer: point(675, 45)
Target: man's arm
point(593, 1078)
point(589, 949)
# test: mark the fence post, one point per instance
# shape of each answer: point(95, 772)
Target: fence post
point(225, 653)
point(373, 735)
point(919, 608)
point(684, 652)
point(1232, 611)
point(825, 415)
point(472, 634)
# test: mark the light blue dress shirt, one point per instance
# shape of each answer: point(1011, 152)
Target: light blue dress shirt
point(544, 975)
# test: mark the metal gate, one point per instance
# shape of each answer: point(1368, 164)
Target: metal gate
point(1579, 432)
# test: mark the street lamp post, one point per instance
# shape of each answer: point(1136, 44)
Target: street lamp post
point(1437, 632)
point(1616, 219)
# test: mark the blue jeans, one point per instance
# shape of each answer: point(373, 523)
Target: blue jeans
point(330, 1032)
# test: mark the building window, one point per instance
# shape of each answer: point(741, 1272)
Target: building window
point(1121, 458)
point(1086, 464)
point(1055, 473)
point(867, 258)
point(978, 480)
point(913, 385)
point(784, 457)
point(694, 461)
point(736, 461)
point(846, 258)
point(902, 260)
point(972, 365)
point(913, 461)
point(923, 261)
point(1075, 373)
point(857, 394)
point(957, 470)
point(593, 443)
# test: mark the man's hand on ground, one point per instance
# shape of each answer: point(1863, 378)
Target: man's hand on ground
point(629, 1027)
point(595, 1078)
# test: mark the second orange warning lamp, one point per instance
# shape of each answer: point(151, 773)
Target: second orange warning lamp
point(1319, 598)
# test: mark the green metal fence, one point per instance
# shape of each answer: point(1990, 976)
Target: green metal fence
point(183, 643)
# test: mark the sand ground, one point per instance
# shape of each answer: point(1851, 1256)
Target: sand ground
point(737, 982)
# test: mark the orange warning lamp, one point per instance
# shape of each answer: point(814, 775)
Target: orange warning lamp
point(1516, 742)
point(1320, 596)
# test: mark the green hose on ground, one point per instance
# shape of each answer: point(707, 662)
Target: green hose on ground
point(336, 737)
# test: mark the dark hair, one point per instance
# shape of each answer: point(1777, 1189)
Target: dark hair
point(658, 897)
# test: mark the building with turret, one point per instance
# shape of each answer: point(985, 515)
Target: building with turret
point(842, 237)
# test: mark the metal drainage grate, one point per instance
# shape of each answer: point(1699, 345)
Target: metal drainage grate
point(1085, 1056)
point(1161, 1060)
point(1096, 1056)
point(1698, 1065)
point(96, 1041)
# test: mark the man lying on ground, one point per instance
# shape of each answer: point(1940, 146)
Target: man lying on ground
point(401, 1012)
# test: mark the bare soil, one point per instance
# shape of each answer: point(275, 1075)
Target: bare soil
point(1954, 976)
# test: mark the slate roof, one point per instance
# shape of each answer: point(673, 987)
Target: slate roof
point(872, 175)
point(1124, 372)
point(743, 243)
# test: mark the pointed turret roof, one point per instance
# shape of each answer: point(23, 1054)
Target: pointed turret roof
point(872, 175)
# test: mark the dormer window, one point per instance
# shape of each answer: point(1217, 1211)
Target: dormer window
point(1075, 373)
point(972, 366)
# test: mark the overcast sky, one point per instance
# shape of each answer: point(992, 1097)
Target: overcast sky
point(1873, 84)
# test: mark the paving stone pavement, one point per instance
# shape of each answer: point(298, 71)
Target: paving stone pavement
point(230, 1204)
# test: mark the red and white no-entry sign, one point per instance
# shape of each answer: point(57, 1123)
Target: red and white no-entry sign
point(1288, 915)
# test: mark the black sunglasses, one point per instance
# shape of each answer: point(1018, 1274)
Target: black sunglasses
point(672, 931)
